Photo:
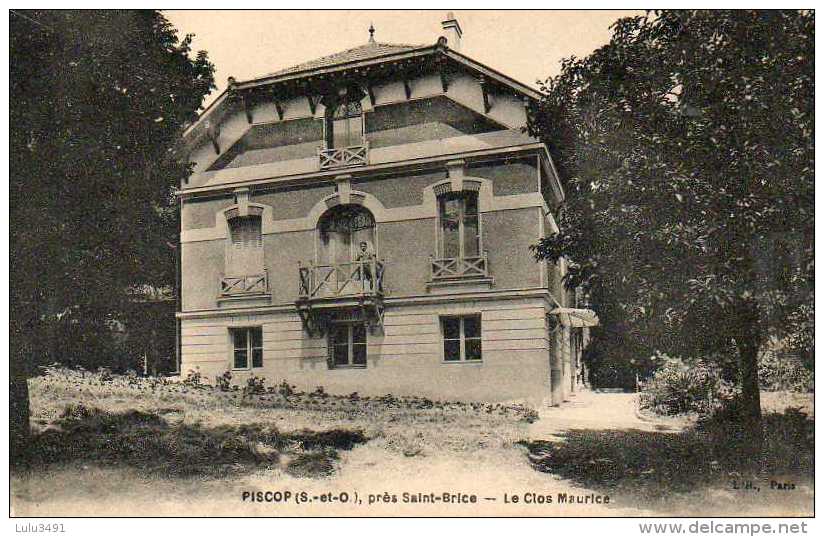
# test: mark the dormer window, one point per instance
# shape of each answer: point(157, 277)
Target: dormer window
point(344, 121)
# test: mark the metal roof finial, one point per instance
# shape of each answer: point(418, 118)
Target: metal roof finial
point(371, 33)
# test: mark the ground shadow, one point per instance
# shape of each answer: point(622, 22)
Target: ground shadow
point(651, 466)
point(162, 444)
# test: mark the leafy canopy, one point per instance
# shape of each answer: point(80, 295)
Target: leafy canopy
point(99, 99)
point(686, 146)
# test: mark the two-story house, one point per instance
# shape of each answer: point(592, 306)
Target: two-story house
point(362, 222)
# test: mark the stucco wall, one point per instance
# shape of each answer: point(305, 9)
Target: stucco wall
point(202, 263)
point(423, 119)
point(509, 177)
point(282, 252)
point(400, 191)
point(507, 236)
point(198, 213)
point(405, 241)
point(405, 359)
point(294, 202)
point(406, 247)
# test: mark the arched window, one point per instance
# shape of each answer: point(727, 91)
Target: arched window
point(459, 236)
point(342, 230)
point(245, 250)
point(344, 121)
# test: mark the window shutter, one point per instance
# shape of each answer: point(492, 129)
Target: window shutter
point(245, 256)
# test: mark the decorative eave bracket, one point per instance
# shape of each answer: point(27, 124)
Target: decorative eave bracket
point(313, 103)
point(370, 91)
point(213, 134)
point(233, 91)
point(486, 94)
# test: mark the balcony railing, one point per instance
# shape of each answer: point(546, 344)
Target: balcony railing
point(257, 284)
point(342, 157)
point(453, 268)
point(353, 279)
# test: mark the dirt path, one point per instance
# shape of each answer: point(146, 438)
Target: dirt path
point(594, 421)
point(591, 410)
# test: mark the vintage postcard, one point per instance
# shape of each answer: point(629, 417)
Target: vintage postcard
point(465, 263)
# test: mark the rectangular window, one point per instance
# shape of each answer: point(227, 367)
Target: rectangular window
point(470, 226)
point(247, 344)
point(461, 338)
point(347, 345)
point(459, 225)
point(450, 227)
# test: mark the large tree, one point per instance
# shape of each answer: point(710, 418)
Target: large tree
point(98, 102)
point(686, 146)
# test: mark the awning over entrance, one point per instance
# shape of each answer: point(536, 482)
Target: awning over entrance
point(576, 318)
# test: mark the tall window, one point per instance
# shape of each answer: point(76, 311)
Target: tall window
point(347, 342)
point(342, 230)
point(459, 225)
point(245, 255)
point(461, 338)
point(247, 346)
point(344, 123)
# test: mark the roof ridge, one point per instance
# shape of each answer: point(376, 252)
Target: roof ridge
point(341, 56)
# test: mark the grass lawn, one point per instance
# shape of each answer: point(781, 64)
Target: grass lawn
point(118, 445)
point(115, 439)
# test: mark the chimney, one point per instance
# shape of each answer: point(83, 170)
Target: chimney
point(452, 32)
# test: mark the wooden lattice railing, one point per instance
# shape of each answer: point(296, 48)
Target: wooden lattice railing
point(460, 267)
point(356, 155)
point(356, 278)
point(256, 284)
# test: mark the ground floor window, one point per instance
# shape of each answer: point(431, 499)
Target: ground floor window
point(247, 344)
point(347, 343)
point(461, 338)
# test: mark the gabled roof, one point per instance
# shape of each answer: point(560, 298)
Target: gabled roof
point(368, 55)
point(368, 51)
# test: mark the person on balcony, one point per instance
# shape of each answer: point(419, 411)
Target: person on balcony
point(365, 259)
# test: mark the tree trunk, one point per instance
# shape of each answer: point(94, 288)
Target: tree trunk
point(748, 343)
point(19, 429)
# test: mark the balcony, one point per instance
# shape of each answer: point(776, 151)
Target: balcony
point(354, 289)
point(453, 274)
point(455, 268)
point(241, 286)
point(341, 280)
point(343, 157)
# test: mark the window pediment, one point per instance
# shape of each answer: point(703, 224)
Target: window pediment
point(234, 212)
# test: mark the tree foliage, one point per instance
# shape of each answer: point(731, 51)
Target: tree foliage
point(686, 149)
point(99, 99)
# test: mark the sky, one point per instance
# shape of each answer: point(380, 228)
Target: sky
point(525, 45)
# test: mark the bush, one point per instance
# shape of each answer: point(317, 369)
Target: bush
point(781, 370)
point(285, 389)
point(254, 386)
point(679, 388)
point(224, 381)
point(105, 374)
point(193, 378)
